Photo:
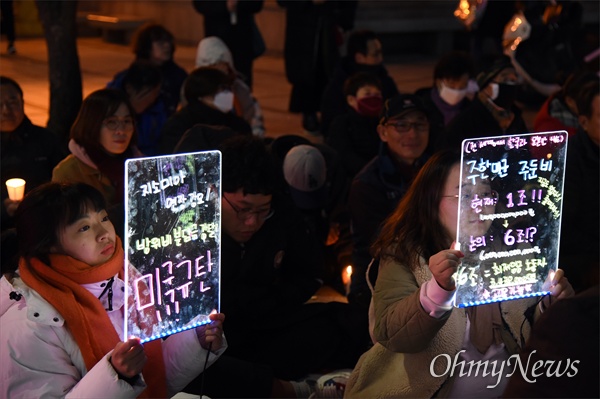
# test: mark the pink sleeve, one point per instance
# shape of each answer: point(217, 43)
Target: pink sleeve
point(435, 300)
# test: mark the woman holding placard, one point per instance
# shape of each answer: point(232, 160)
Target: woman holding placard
point(424, 344)
point(63, 312)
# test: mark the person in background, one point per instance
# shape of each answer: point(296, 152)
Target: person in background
point(209, 100)
point(66, 327)
point(8, 24)
point(353, 134)
point(311, 51)
point(379, 186)
point(363, 54)
point(27, 151)
point(450, 92)
point(155, 43)
point(213, 52)
point(580, 227)
point(566, 333)
point(233, 22)
point(559, 111)
point(317, 185)
point(268, 265)
point(414, 320)
point(142, 83)
point(492, 112)
point(103, 137)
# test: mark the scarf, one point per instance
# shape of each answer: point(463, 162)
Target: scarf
point(486, 326)
point(59, 283)
point(113, 166)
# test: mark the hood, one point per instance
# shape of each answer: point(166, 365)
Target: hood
point(212, 50)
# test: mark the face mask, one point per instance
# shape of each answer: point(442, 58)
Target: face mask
point(504, 94)
point(224, 101)
point(452, 96)
point(369, 106)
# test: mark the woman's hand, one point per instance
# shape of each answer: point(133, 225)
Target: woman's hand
point(128, 358)
point(443, 265)
point(558, 285)
point(212, 332)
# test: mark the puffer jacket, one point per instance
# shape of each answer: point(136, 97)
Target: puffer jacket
point(40, 358)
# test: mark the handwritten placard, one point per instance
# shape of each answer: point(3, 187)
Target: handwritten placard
point(510, 202)
point(172, 242)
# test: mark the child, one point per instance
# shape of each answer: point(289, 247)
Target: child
point(65, 310)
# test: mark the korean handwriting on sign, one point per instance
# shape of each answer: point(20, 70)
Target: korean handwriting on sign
point(166, 288)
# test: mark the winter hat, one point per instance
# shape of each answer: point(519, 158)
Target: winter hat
point(211, 51)
point(305, 171)
point(488, 74)
point(399, 105)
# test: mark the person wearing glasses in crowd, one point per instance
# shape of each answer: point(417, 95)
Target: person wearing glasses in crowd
point(376, 190)
point(102, 137)
point(268, 273)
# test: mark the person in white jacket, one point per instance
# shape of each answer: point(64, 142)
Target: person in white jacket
point(62, 313)
point(213, 52)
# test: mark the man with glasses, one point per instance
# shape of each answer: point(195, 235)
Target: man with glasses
point(376, 190)
point(269, 270)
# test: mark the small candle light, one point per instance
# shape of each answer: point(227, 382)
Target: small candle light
point(347, 278)
point(16, 189)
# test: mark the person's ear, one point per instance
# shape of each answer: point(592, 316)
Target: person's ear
point(352, 101)
point(584, 122)
point(382, 133)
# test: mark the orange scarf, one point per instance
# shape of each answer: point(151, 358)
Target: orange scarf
point(60, 284)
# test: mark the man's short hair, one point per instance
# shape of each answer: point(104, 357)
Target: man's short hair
point(142, 74)
point(247, 165)
point(357, 42)
point(5, 80)
point(586, 97)
point(453, 65)
point(204, 81)
point(358, 80)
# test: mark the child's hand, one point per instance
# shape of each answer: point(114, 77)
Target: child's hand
point(128, 358)
point(443, 265)
point(212, 332)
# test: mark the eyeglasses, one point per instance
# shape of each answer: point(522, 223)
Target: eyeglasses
point(116, 123)
point(405, 126)
point(246, 213)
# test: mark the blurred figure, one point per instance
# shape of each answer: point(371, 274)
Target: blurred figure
point(209, 100)
point(155, 43)
point(559, 111)
point(566, 333)
point(379, 186)
point(233, 22)
point(580, 229)
point(142, 83)
point(213, 52)
point(8, 24)
point(363, 54)
point(492, 112)
point(353, 134)
point(312, 40)
point(27, 151)
point(450, 92)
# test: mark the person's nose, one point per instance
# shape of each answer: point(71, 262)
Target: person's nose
point(102, 233)
point(251, 220)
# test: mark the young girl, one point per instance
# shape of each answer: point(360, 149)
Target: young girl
point(415, 324)
point(62, 314)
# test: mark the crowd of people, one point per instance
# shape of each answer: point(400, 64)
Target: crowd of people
point(375, 186)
